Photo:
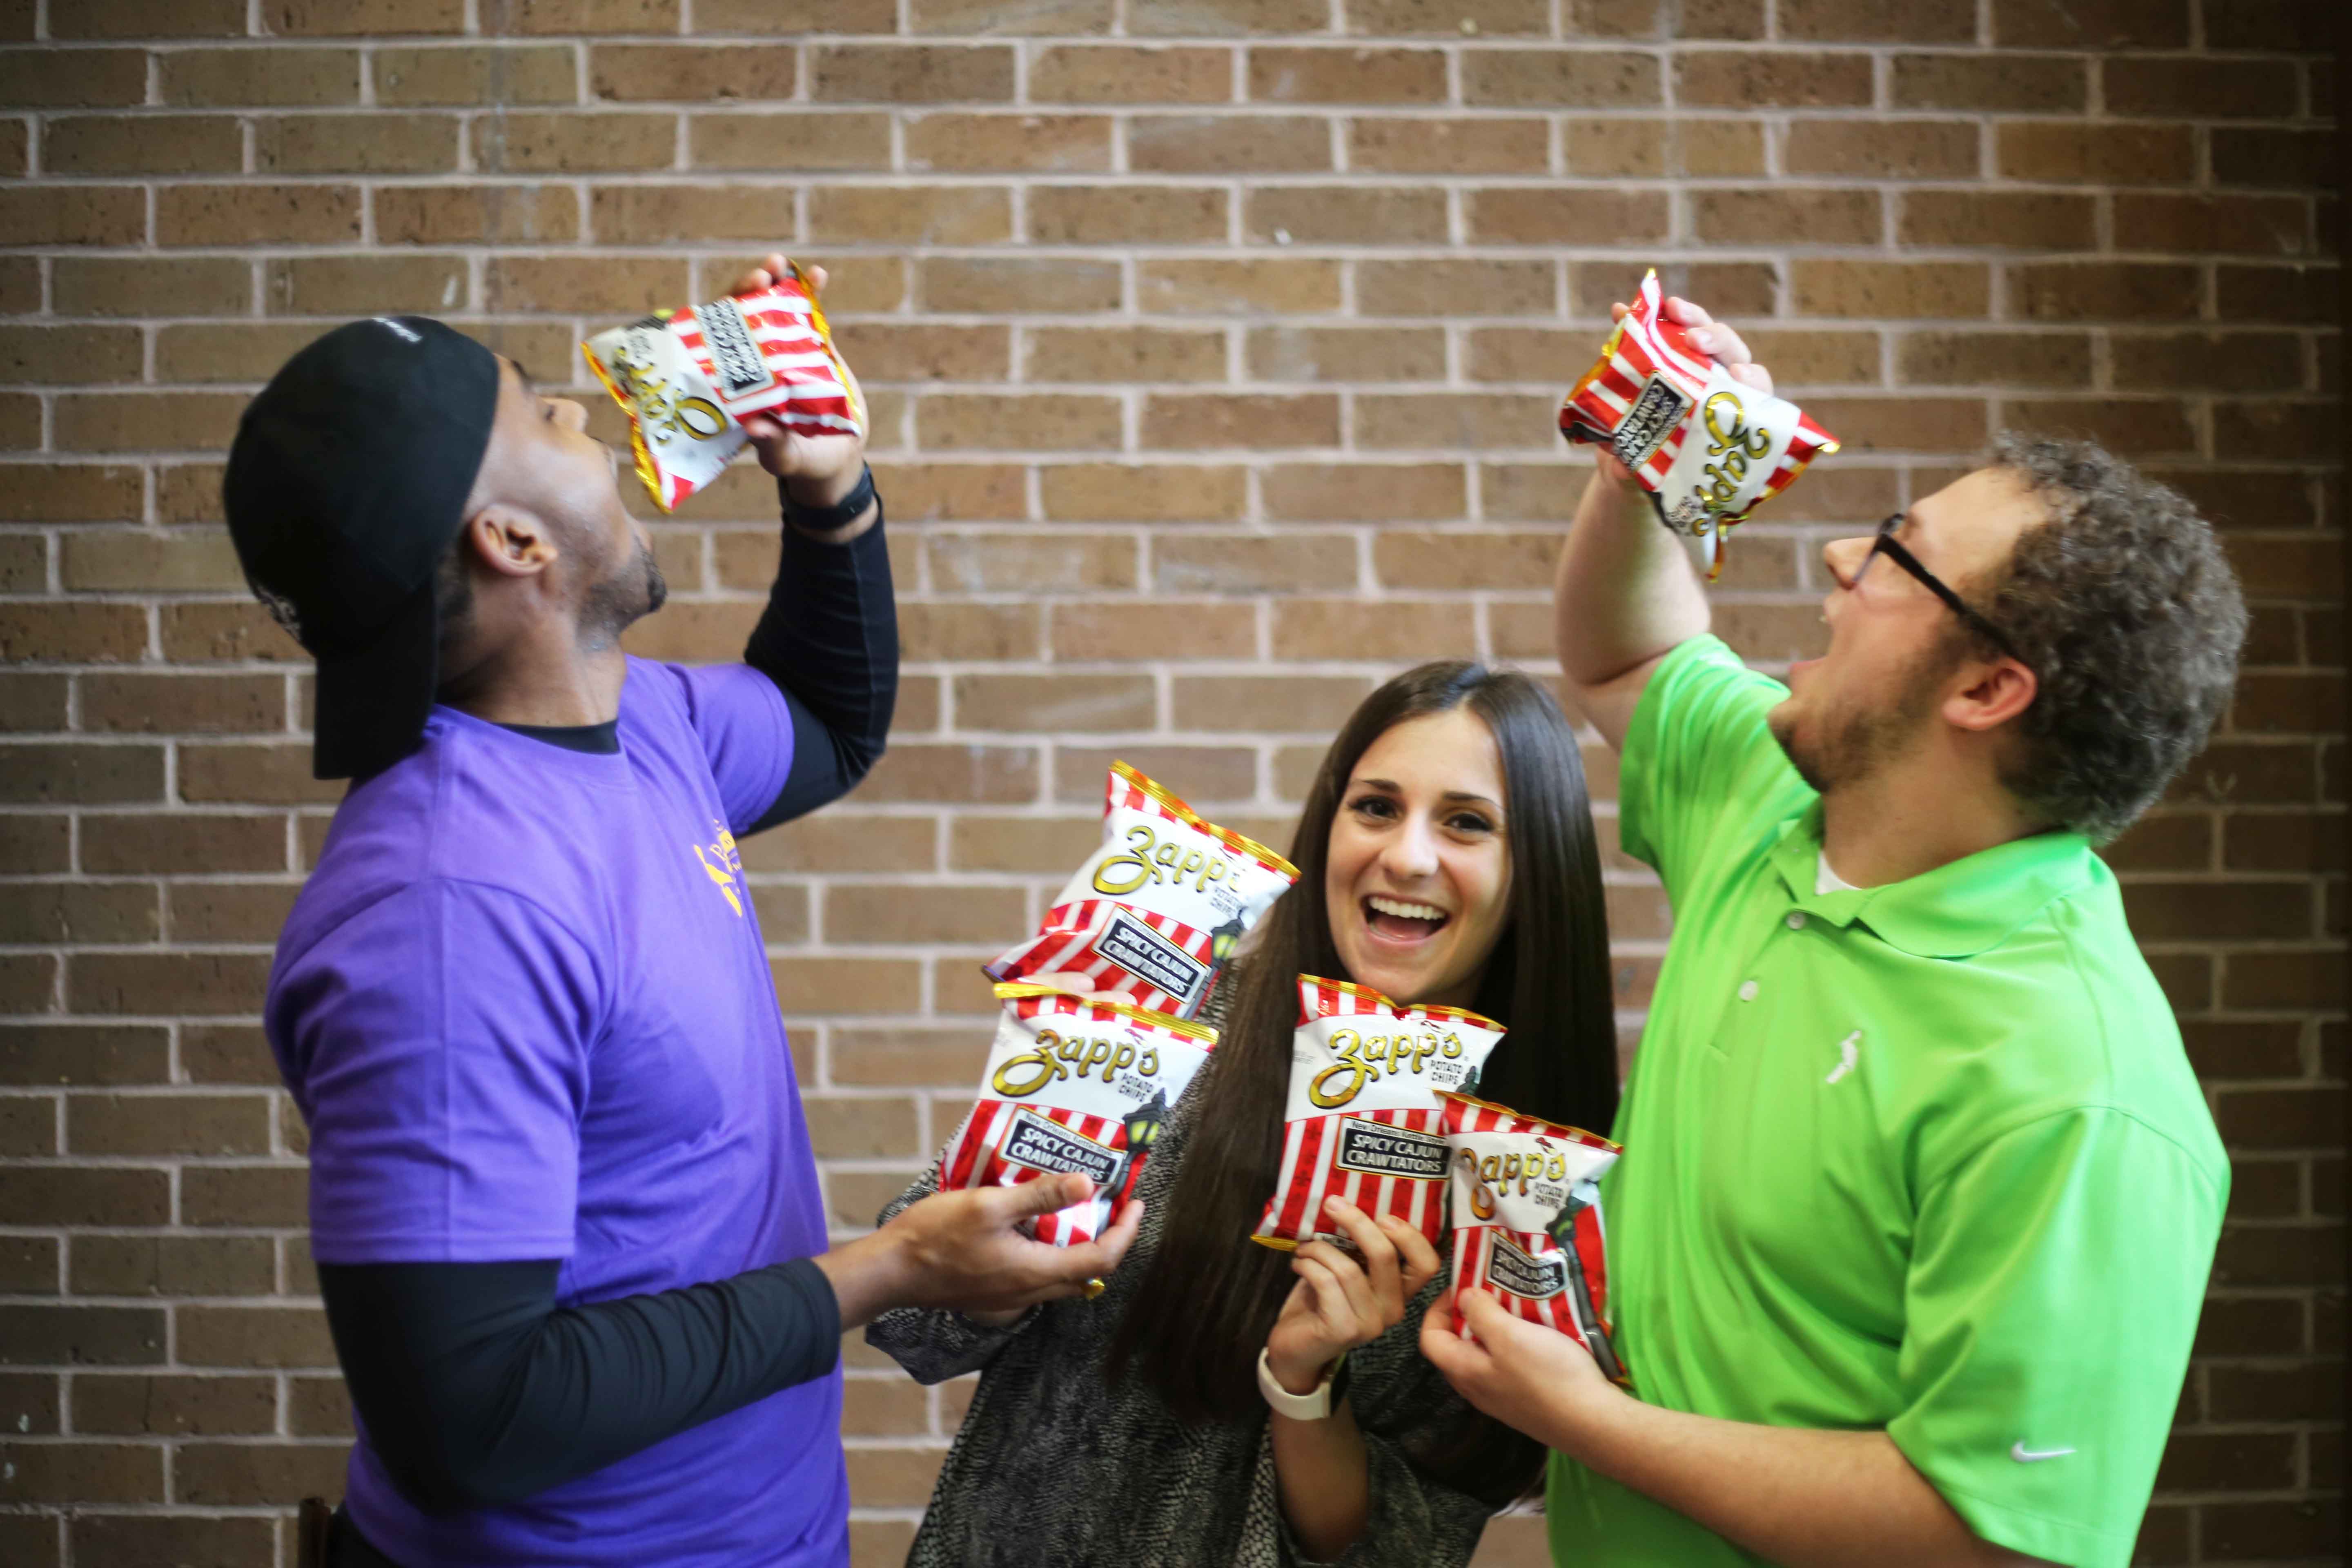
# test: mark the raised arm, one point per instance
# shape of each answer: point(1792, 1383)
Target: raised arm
point(1626, 594)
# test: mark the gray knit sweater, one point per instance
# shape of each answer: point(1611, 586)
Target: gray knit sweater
point(1052, 1469)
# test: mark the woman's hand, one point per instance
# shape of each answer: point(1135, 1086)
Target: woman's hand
point(1340, 1302)
point(819, 470)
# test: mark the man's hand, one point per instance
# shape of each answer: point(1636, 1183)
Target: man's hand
point(962, 1249)
point(818, 471)
point(1625, 595)
point(1534, 1379)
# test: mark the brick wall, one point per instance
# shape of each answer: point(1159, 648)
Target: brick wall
point(1213, 345)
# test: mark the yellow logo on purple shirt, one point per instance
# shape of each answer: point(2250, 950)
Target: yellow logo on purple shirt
point(723, 865)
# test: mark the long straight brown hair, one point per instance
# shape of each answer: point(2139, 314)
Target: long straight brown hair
point(1210, 1296)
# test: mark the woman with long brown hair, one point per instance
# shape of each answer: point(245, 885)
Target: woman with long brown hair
point(1445, 855)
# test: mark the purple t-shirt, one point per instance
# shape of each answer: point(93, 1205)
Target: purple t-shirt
point(524, 1005)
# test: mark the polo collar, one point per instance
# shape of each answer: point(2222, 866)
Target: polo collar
point(1953, 911)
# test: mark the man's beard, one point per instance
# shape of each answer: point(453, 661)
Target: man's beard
point(1859, 741)
point(622, 597)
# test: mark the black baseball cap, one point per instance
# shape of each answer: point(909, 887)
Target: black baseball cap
point(346, 486)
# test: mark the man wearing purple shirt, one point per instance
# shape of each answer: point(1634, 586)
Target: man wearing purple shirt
point(566, 1218)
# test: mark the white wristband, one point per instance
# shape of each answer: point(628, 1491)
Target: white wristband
point(1315, 1406)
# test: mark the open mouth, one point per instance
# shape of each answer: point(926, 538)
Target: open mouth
point(1402, 919)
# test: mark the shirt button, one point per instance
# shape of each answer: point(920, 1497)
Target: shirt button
point(1796, 919)
point(1748, 992)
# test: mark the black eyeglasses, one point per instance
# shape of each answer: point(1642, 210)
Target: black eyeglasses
point(1887, 544)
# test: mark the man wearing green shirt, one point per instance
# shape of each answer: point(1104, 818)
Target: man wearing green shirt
point(1919, 1195)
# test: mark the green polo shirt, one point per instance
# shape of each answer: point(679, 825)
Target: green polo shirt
point(1925, 1158)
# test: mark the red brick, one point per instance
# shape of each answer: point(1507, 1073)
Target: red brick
point(1228, 143)
point(1783, 216)
point(1266, 703)
point(83, 1472)
point(284, 77)
point(1051, 144)
point(765, 142)
point(2299, 159)
point(1732, 79)
point(1140, 214)
point(1107, 492)
point(2090, 24)
point(1901, 149)
point(1533, 216)
point(568, 143)
point(2013, 82)
point(1239, 288)
point(73, 215)
point(1122, 74)
point(1037, 421)
point(2135, 427)
point(2300, 295)
point(142, 144)
point(1243, 564)
point(1321, 629)
point(1124, 354)
point(1028, 285)
point(911, 73)
point(2104, 154)
point(2191, 88)
point(1346, 76)
point(72, 78)
point(40, 774)
point(1182, 421)
point(1458, 18)
point(1877, 21)
point(150, 19)
point(1039, 562)
point(1120, 633)
point(1223, 16)
point(1883, 288)
point(1388, 145)
point(1445, 287)
point(460, 77)
point(2214, 361)
point(1356, 492)
point(2102, 290)
point(1528, 76)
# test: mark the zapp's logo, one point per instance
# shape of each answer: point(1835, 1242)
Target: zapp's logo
point(723, 865)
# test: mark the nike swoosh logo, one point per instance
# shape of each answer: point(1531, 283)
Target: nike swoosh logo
point(2025, 1455)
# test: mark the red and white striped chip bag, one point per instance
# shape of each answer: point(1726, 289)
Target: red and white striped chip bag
point(1154, 912)
point(1707, 448)
point(687, 378)
point(1364, 1121)
point(1073, 1083)
point(1526, 1220)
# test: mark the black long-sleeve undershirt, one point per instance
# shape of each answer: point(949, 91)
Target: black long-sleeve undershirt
point(475, 1388)
point(478, 1389)
point(829, 639)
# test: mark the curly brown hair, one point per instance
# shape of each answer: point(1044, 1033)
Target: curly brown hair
point(2127, 611)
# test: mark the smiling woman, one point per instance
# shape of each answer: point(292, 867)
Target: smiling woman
point(1445, 855)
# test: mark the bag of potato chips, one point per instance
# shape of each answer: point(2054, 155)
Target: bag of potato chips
point(1364, 1121)
point(1526, 1220)
point(1153, 914)
point(1072, 1084)
point(1707, 449)
point(687, 378)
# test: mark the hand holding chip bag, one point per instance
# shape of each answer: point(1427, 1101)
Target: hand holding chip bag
point(1526, 1220)
point(1707, 448)
point(1073, 1083)
point(689, 378)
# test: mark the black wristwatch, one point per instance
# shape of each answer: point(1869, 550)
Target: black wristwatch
point(826, 519)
